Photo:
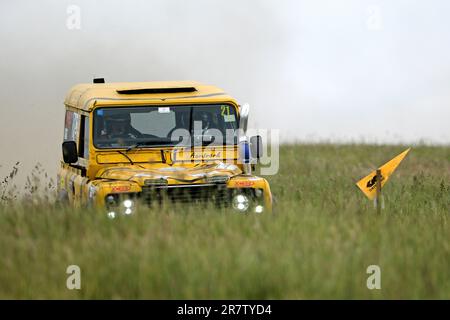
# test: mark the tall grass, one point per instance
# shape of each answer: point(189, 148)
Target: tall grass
point(318, 244)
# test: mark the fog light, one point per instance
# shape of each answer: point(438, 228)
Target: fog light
point(259, 209)
point(128, 211)
point(240, 202)
point(111, 214)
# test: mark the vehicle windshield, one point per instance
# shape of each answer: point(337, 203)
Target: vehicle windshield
point(130, 127)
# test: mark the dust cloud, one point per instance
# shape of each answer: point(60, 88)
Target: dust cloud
point(338, 71)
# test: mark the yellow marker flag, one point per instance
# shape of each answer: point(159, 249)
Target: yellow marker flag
point(368, 184)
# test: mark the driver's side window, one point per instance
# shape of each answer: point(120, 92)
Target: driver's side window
point(71, 126)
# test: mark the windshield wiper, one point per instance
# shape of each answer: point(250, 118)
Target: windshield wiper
point(163, 157)
point(139, 144)
point(158, 143)
point(143, 143)
point(126, 156)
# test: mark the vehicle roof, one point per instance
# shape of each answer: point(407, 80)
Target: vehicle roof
point(86, 95)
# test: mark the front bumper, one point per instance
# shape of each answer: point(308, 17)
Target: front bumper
point(243, 200)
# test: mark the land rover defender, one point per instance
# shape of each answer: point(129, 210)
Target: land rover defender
point(130, 145)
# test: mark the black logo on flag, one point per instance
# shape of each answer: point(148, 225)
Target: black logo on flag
point(372, 182)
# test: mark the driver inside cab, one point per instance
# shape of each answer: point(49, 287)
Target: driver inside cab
point(118, 127)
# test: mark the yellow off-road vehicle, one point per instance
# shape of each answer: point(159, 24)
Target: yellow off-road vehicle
point(128, 145)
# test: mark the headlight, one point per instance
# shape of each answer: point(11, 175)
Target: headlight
point(111, 201)
point(241, 202)
point(118, 204)
point(248, 200)
point(128, 204)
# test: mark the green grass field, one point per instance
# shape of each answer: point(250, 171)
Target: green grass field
point(324, 235)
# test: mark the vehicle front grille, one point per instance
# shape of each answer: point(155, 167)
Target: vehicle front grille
point(216, 194)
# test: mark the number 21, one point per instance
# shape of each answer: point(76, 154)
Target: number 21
point(223, 109)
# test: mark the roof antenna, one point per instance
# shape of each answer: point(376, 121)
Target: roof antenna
point(99, 80)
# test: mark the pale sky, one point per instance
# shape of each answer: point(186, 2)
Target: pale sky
point(318, 70)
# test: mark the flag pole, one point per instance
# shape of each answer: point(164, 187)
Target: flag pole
point(378, 195)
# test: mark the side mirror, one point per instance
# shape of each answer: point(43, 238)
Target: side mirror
point(69, 149)
point(256, 146)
